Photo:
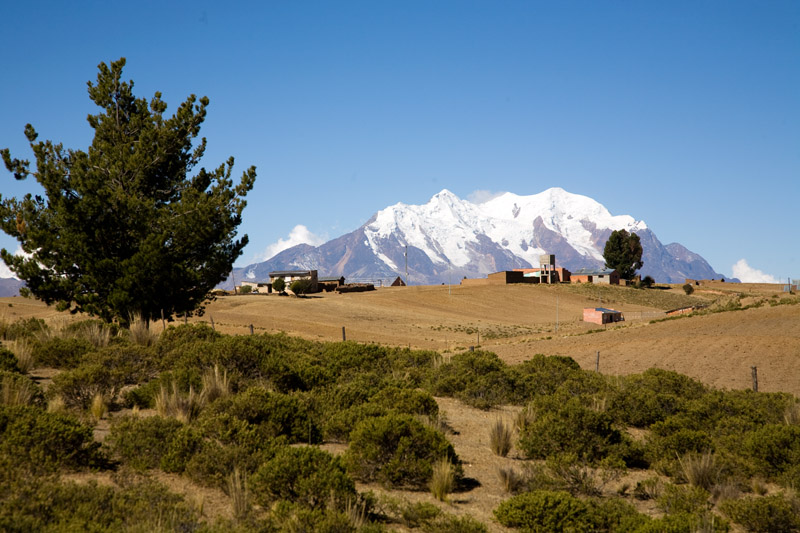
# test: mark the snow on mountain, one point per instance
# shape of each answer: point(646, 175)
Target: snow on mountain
point(449, 238)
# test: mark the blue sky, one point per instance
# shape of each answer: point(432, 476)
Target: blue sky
point(683, 114)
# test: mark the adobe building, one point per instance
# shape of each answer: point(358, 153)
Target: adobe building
point(602, 315)
point(589, 275)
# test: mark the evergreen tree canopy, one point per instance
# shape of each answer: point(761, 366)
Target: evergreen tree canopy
point(123, 228)
point(623, 253)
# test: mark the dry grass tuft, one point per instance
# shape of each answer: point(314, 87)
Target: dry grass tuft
point(95, 333)
point(511, 480)
point(56, 404)
point(16, 391)
point(700, 470)
point(443, 479)
point(792, 414)
point(99, 407)
point(183, 407)
point(356, 513)
point(525, 417)
point(23, 351)
point(140, 331)
point(237, 490)
point(500, 438)
point(215, 384)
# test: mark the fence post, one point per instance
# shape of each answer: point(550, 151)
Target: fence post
point(597, 363)
point(251, 329)
point(163, 322)
point(212, 322)
point(344, 336)
point(755, 378)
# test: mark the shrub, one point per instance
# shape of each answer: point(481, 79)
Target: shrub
point(245, 289)
point(274, 413)
point(26, 328)
point(304, 475)
point(774, 448)
point(543, 510)
point(47, 505)
point(300, 286)
point(23, 351)
point(404, 400)
point(570, 428)
point(79, 387)
point(643, 399)
point(397, 451)
point(8, 361)
point(675, 499)
point(338, 425)
point(688, 288)
point(58, 352)
point(142, 442)
point(447, 523)
point(766, 514)
point(500, 438)
point(45, 441)
point(278, 285)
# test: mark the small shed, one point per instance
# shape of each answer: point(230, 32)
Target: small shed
point(329, 284)
point(398, 282)
point(588, 275)
point(602, 315)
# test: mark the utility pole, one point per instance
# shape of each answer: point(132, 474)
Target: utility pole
point(408, 282)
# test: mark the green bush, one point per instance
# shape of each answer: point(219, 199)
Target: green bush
point(43, 441)
point(23, 328)
point(45, 505)
point(338, 425)
point(278, 285)
point(274, 413)
point(688, 288)
point(571, 428)
point(300, 286)
point(774, 449)
point(643, 399)
point(142, 442)
point(79, 386)
point(8, 361)
point(304, 475)
point(546, 511)
point(677, 499)
point(61, 352)
point(408, 401)
point(245, 289)
point(397, 451)
point(766, 514)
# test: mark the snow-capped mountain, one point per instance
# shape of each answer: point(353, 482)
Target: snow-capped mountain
point(449, 238)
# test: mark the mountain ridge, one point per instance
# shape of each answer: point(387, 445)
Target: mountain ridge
point(448, 238)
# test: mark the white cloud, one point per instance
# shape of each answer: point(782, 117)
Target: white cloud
point(5, 272)
point(299, 235)
point(748, 274)
point(482, 196)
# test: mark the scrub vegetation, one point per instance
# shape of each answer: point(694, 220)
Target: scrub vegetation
point(305, 435)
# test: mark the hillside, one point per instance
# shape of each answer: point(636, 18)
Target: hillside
point(519, 321)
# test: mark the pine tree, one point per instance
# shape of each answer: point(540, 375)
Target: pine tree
point(124, 228)
point(623, 253)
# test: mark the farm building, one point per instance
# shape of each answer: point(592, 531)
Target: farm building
point(290, 276)
point(588, 275)
point(601, 315)
point(329, 284)
point(398, 282)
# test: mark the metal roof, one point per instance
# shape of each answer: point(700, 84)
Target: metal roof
point(593, 272)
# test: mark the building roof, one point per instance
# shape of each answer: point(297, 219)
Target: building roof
point(593, 272)
point(290, 273)
point(340, 278)
point(606, 310)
